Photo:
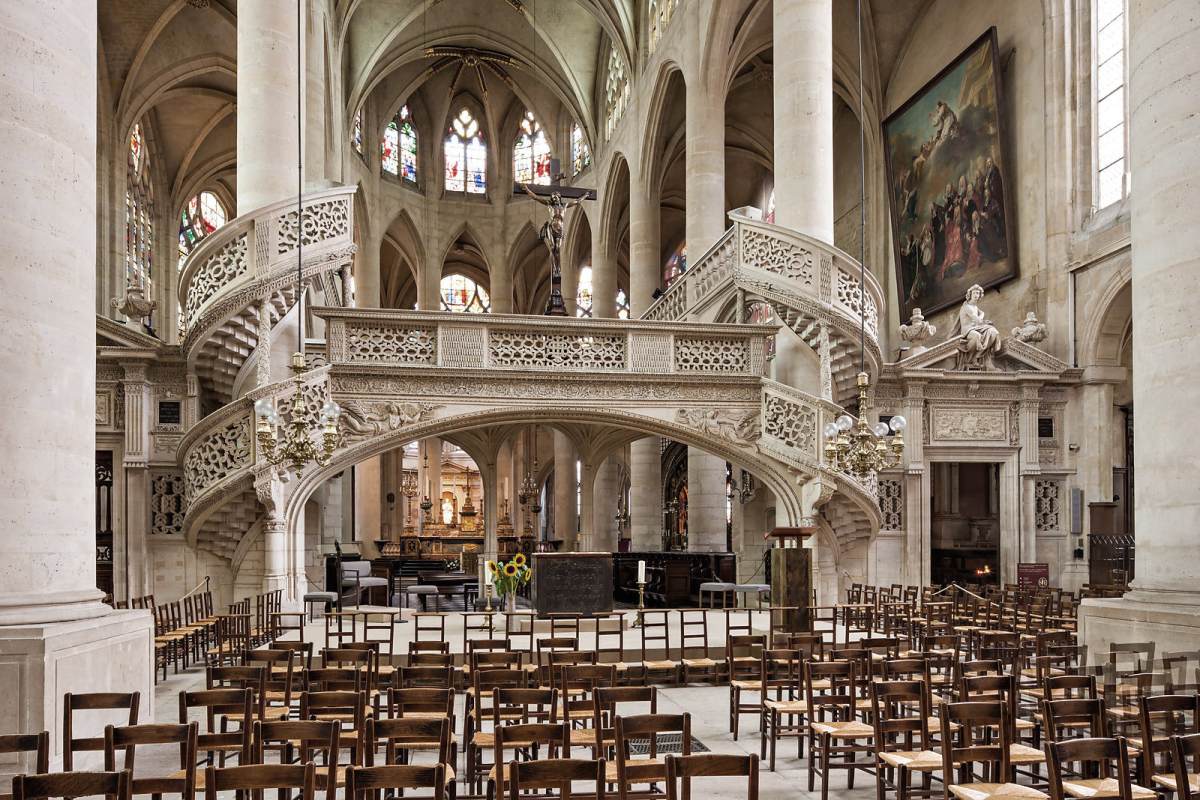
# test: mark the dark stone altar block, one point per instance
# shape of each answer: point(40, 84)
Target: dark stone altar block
point(791, 585)
point(580, 583)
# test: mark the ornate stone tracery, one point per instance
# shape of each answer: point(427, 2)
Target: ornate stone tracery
point(1046, 506)
point(779, 257)
point(704, 354)
point(322, 221)
point(167, 504)
point(219, 454)
point(891, 504)
point(217, 271)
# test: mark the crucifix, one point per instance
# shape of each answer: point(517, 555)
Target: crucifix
point(552, 197)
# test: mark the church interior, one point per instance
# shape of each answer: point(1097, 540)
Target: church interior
point(568, 397)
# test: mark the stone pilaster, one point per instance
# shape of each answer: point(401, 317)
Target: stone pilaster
point(565, 516)
point(132, 560)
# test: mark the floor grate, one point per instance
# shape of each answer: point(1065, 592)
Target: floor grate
point(667, 743)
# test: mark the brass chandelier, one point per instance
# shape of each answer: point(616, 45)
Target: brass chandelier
point(855, 447)
point(295, 446)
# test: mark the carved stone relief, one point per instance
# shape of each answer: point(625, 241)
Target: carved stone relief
point(360, 421)
point(964, 425)
point(740, 427)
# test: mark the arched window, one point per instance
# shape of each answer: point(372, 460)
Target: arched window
point(583, 296)
point(356, 133)
point(660, 16)
point(770, 216)
point(399, 147)
point(466, 156)
point(762, 314)
point(616, 91)
point(202, 215)
point(460, 293)
point(531, 152)
point(581, 154)
point(676, 265)
point(622, 304)
point(139, 215)
point(1112, 110)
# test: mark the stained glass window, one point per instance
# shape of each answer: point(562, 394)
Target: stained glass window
point(622, 304)
point(660, 16)
point(356, 134)
point(583, 296)
point(531, 152)
point(676, 265)
point(460, 293)
point(770, 217)
point(1111, 109)
point(581, 154)
point(139, 215)
point(466, 156)
point(202, 215)
point(398, 151)
point(762, 314)
point(616, 91)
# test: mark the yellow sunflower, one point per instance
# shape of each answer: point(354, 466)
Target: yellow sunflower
point(494, 567)
point(510, 569)
point(519, 559)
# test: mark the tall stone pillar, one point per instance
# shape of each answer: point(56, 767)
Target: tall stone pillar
point(134, 563)
point(585, 542)
point(267, 135)
point(706, 502)
point(565, 513)
point(803, 65)
point(55, 634)
point(604, 275)
point(645, 495)
point(1164, 139)
point(645, 275)
point(604, 507)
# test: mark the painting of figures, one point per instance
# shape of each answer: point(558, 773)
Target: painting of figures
point(947, 184)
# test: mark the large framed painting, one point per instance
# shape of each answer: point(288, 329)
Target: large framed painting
point(947, 184)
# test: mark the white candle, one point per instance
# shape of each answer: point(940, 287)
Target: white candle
point(641, 572)
point(487, 572)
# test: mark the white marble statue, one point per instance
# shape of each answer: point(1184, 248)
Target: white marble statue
point(1030, 331)
point(978, 338)
point(916, 331)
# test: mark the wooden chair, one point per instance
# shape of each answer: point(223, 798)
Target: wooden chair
point(784, 704)
point(130, 737)
point(549, 775)
point(978, 733)
point(1161, 717)
point(223, 709)
point(303, 650)
point(607, 704)
point(479, 705)
point(400, 737)
point(1185, 754)
point(305, 741)
point(833, 729)
point(1004, 688)
point(745, 675)
point(113, 785)
point(253, 677)
point(287, 779)
point(1111, 760)
point(657, 633)
point(577, 689)
point(528, 738)
point(1074, 718)
point(348, 708)
point(392, 780)
point(98, 701)
point(628, 770)
point(421, 702)
point(693, 636)
point(428, 677)
point(901, 716)
point(280, 681)
point(36, 743)
point(711, 765)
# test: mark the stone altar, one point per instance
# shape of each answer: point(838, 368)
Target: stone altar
point(580, 583)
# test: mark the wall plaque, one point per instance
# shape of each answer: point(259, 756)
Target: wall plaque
point(580, 583)
point(974, 424)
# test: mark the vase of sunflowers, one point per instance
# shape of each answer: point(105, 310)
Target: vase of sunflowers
point(508, 577)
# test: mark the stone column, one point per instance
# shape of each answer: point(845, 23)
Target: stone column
point(491, 516)
point(55, 633)
point(587, 504)
point(267, 135)
point(570, 283)
point(1164, 161)
point(706, 502)
point(803, 64)
point(604, 276)
point(135, 562)
point(604, 507)
point(645, 495)
point(565, 516)
point(262, 350)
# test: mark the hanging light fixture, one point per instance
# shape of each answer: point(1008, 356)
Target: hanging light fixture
point(858, 448)
point(426, 503)
point(528, 490)
point(292, 442)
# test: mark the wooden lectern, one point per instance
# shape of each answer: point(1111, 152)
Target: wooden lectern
point(791, 576)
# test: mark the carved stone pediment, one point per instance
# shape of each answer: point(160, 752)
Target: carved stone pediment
point(110, 333)
point(1017, 356)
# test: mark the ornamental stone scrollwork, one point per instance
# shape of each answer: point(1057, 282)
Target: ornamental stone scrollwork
point(389, 344)
point(361, 421)
point(166, 504)
point(1030, 331)
point(696, 354)
point(965, 425)
point(778, 256)
point(850, 295)
point(672, 305)
point(221, 453)
point(891, 504)
point(739, 427)
point(322, 221)
point(577, 388)
point(711, 272)
point(1046, 510)
point(515, 349)
point(220, 269)
point(792, 423)
point(103, 408)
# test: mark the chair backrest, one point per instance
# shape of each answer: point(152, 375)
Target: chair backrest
point(335, 679)
point(1162, 716)
point(1185, 754)
point(982, 736)
point(656, 632)
point(648, 727)
point(36, 743)
point(130, 737)
point(556, 774)
point(742, 654)
point(399, 735)
point(377, 780)
point(114, 785)
point(554, 737)
point(420, 700)
point(304, 741)
point(901, 714)
point(221, 706)
point(96, 701)
point(716, 765)
point(577, 686)
point(520, 704)
point(303, 650)
point(280, 682)
point(1136, 655)
point(253, 677)
point(1102, 752)
point(693, 633)
point(285, 778)
point(430, 677)
point(841, 693)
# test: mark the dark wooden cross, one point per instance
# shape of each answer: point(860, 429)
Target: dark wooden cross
point(557, 199)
